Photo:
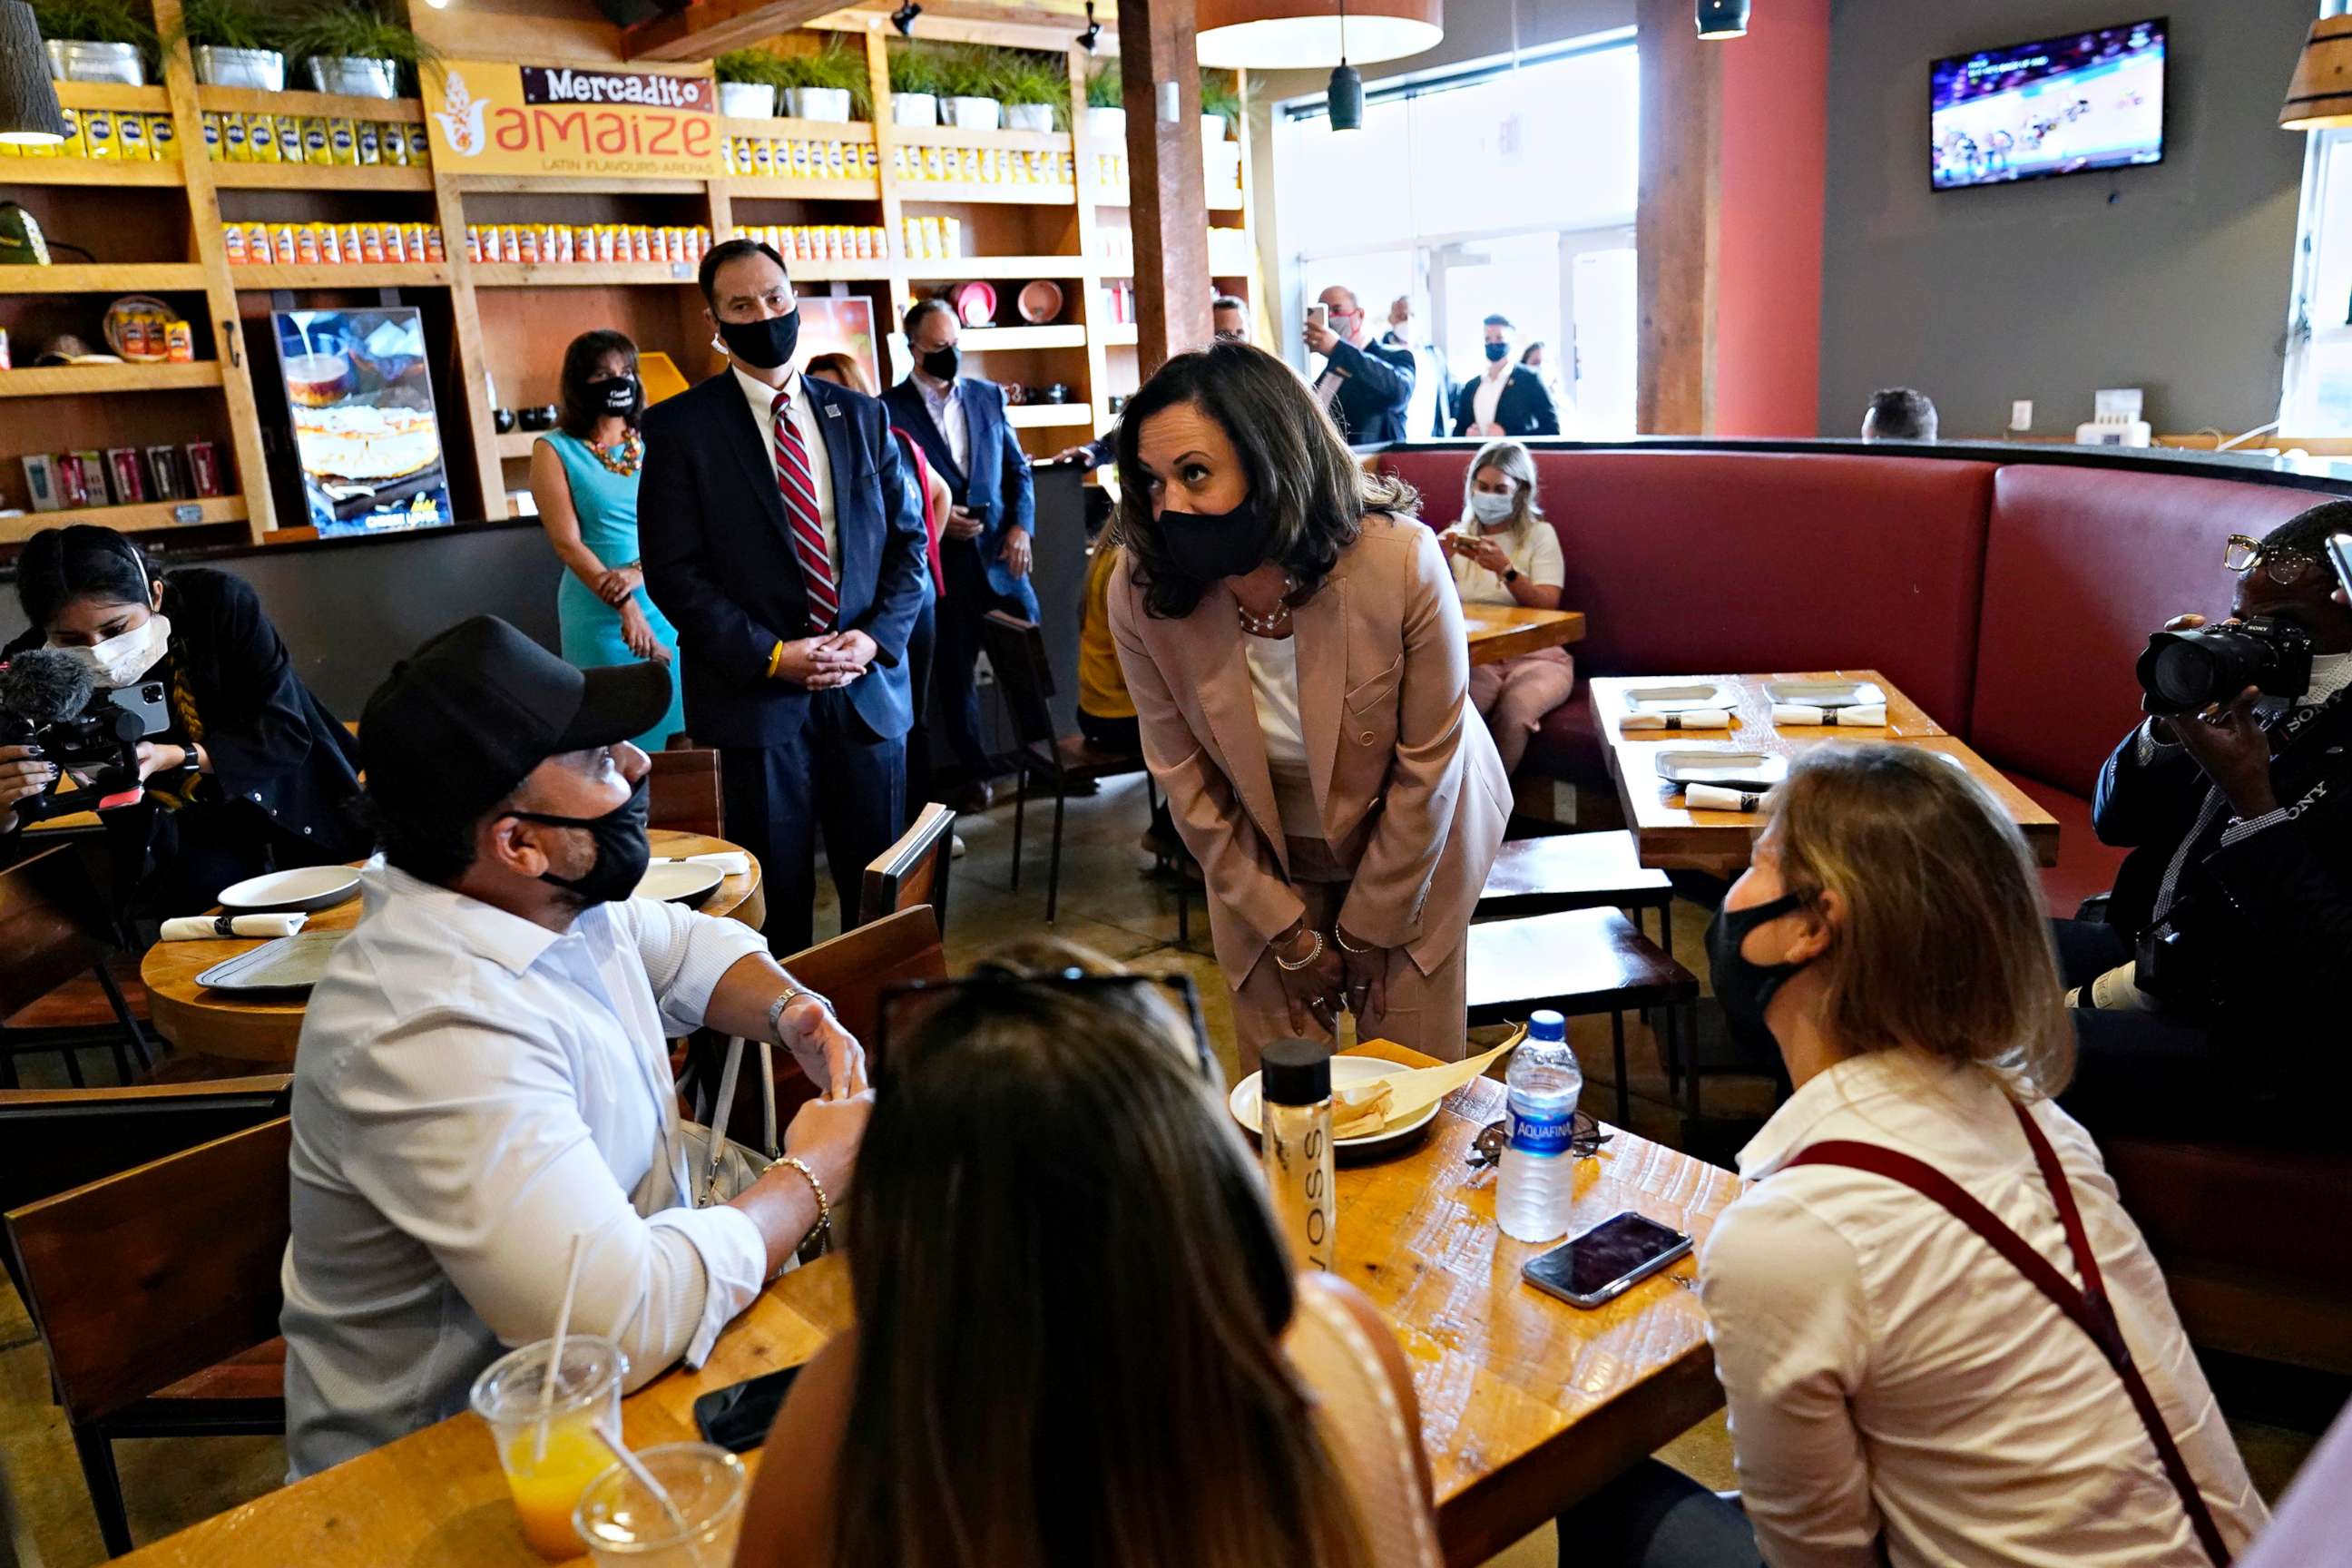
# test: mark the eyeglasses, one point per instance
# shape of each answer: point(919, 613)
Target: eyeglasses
point(2242, 554)
point(906, 1006)
point(1585, 1140)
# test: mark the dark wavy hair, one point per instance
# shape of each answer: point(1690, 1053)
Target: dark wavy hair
point(582, 362)
point(1305, 482)
point(79, 561)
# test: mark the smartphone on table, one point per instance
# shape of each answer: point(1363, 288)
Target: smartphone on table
point(737, 1419)
point(1606, 1261)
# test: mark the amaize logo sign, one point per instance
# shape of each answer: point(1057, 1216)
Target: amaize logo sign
point(490, 118)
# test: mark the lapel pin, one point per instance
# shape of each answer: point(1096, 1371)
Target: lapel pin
point(833, 411)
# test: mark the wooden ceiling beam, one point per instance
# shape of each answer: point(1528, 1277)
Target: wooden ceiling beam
point(711, 28)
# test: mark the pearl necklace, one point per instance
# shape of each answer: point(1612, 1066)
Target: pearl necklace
point(1271, 624)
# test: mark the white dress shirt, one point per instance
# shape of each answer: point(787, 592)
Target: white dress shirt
point(1888, 1373)
point(946, 404)
point(1534, 552)
point(472, 1091)
point(763, 399)
point(1487, 399)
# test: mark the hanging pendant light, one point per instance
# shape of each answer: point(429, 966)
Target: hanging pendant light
point(1722, 19)
point(2321, 93)
point(29, 115)
point(1344, 97)
point(1285, 34)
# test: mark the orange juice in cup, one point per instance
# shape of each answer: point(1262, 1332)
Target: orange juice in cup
point(546, 1475)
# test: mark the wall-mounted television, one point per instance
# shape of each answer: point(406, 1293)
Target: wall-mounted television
point(2064, 106)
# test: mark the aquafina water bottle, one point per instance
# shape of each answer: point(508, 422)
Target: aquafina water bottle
point(1536, 1183)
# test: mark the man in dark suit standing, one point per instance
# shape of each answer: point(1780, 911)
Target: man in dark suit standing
point(1509, 399)
point(1365, 386)
point(960, 422)
point(780, 540)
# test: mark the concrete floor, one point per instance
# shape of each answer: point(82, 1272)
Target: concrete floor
point(1107, 903)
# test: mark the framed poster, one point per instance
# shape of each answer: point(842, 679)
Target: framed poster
point(490, 117)
point(365, 435)
point(843, 326)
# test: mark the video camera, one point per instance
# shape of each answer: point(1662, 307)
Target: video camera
point(49, 700)
point(2185, 672)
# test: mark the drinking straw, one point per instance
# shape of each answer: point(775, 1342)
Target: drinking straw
point(555, 1356)
point(645, 1478)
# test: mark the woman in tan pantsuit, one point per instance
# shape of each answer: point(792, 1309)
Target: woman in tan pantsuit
point(1292, 641)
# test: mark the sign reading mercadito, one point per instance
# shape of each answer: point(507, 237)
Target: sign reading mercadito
point(492, 118)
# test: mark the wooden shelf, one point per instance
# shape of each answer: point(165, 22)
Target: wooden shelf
point(517, 443)
point(107, 278)
point(381, 275)
point(839, 271)
point(802, 187)
point(90, 172)
point(1009, 193)
point(1117, 197)
point(956, 136)
point(1033, 415)
point(785, 129)
point(320, 177)
point(129, 518)
point(81, 380)
point(580, 274)
point(113, 95)
point(980, 340)
point(1023, 268)
point(1119, 334)
point(319, 105)
point(568, 185)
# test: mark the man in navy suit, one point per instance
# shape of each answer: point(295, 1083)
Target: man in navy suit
point(1365, 386)
point(782, 544)
point(984, 545)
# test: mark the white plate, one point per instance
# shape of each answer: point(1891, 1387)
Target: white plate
point(306, 889)
point(680, 882)
point(1677, 698)
point(1761, 769)
point(1826, 693)
point(1344, 1070)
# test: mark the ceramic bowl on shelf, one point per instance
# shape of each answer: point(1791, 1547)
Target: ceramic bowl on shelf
point(1040, 301)
point(1057, 393)
point(502, 420)
point(974, 302)
point(542, 418)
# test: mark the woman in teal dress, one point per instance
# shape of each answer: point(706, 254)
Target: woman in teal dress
point(584, 475)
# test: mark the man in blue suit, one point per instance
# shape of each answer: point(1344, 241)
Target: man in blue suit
point(984, 545)
point(782, 544)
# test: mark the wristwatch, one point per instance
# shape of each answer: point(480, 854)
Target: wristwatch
point(1510, 575)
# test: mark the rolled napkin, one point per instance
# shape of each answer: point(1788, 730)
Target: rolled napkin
point(1872, 717)
point(1691, 719)
point(204, 927)
point(730, 862)
point(1715, 797)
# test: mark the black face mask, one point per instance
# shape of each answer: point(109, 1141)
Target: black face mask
point(1498, 352)
point(614, 393)
point(1745, 988)
point(1211, 545)
point(942, 363)
point(623, 849)
point(764, 344)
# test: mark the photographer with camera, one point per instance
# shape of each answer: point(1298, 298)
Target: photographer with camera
point(2216, 976)
point(174, 703)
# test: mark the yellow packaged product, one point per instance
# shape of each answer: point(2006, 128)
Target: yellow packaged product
point(526, 236)
point(434, 251)
point(420, 146)
point(764, 158)
point(370, 136)
point(318, 146)
point(233, 243)
point(98, 134)
point(343, 142)
point(234, 148)
point(131, 132)
point(285, 244)
point(372, 244)
point(395, 243)
point(395, 145)
point(290, 139)
point(179, 342)
point(330, 239)
point(73, 146)
point(347, 235)
point(307, 247)
point(261, 139)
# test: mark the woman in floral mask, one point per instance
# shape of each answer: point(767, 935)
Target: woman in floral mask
point(249, 772)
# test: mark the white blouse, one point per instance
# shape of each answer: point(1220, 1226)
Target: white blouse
point(1536, 554)
point(1274, 683)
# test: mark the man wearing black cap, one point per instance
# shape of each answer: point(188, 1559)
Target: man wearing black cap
point(483, 1080)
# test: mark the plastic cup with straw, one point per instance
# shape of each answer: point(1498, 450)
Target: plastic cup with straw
point(679, 1505)
point(544, 1402)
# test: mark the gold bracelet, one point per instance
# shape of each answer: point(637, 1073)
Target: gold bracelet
point(1344, 945)
point(1289, 968)
point(824, 1205)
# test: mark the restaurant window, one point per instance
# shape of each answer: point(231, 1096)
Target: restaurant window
point(1487, 189)
point(2317, 397)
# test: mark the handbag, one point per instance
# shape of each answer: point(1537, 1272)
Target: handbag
point(719, 1168)
point(2085, 1306)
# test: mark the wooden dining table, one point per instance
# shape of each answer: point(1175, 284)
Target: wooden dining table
point(263, 1026)
point(1670, 835)
point(1498, 632)
point(1527, 1403)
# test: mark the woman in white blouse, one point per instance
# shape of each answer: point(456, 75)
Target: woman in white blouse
point(1900, 1392)
point(1503, 551)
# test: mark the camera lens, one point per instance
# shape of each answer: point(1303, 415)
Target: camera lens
point(2181, 674)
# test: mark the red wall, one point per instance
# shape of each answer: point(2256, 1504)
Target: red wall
point(1775, 139)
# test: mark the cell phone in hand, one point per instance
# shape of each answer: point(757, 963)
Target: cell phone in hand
point(1320, 314)
point(737, 1419)
point(2339, 550)
point(1603, 1264)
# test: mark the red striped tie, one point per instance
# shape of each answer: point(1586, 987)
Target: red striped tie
point(792, 476)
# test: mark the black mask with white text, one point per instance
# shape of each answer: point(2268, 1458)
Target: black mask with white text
point(612, 393)
point(766, 343)
point(623, 849)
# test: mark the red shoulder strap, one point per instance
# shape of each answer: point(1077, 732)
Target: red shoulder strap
point(2087, 1307)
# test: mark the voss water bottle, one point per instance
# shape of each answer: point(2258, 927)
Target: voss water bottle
point(1536, 1183)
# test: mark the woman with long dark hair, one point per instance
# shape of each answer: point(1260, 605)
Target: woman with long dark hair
point(1079, 1339)
point(250, 771)
point(584, 475)
point(1294, 649)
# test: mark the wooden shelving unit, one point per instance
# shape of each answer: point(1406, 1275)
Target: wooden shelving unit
point(88, 379)
point(89, 172)
point(360, 275)
point(133, 519)
point(578, 274)
point(318, 105)
point(320, 177)
point(1047, 415)
point(988, 340)
point(107, 278)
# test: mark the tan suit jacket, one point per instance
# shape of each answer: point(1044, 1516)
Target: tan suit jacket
point(1406, 778)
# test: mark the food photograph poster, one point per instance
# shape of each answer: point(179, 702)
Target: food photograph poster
point(365, 435)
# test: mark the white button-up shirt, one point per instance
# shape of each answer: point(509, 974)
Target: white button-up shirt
point(472, 1091)
point(946, 403)
point(1888, 1372)
point(763, 399)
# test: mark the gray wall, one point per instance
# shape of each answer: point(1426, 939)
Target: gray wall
point(2173, 278)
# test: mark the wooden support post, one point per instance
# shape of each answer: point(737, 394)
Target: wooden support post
point(1167, 205)
point(1675, 226)
point(473, 352)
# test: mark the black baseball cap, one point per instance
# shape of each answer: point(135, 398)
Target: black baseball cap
point(461, 721)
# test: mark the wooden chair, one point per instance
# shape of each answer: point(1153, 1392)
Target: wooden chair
point(1016, 652)
point(682, 792)
point(1577, 871)
point(1580, 963)
point(156, 1295)
point(912, 872)
point(53, 934)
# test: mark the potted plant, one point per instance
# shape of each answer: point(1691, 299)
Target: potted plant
point(829, 83)
point(968, 99)
point(234, 43)
point(1220, 104)
point(95, 40)
point(1106, 95)
point(749, 80)
point(354, 49)
point(915, 82)
point(1035, 87)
